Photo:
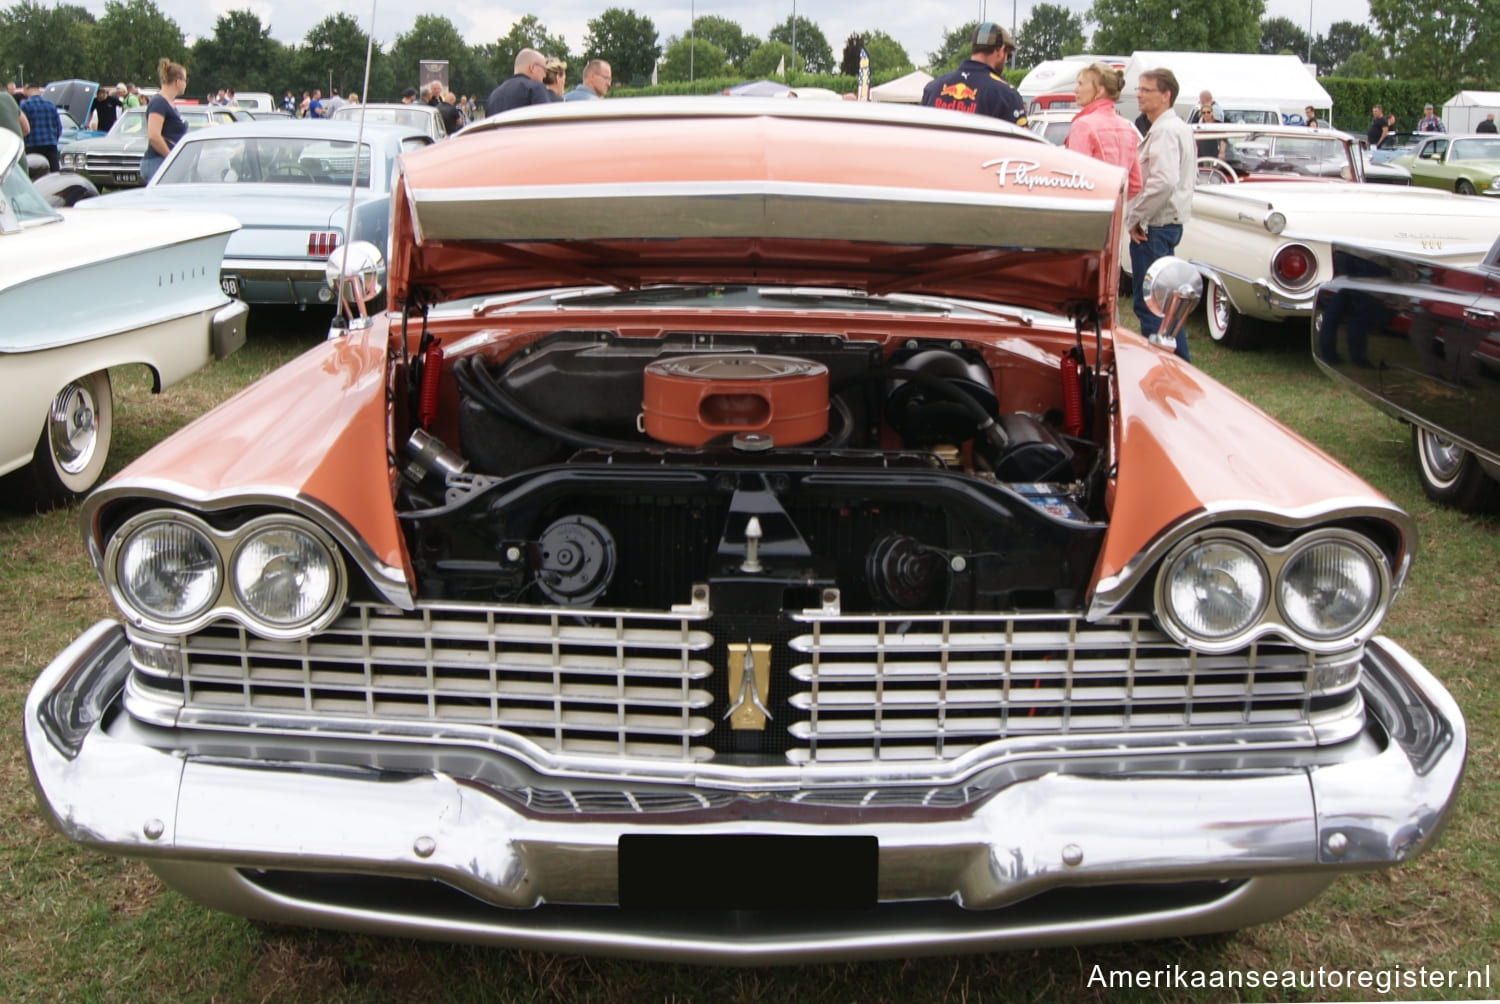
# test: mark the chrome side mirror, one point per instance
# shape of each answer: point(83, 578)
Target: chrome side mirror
point(1173, 289)
point(356, 272)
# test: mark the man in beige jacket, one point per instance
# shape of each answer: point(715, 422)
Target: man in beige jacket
point(1169, 170)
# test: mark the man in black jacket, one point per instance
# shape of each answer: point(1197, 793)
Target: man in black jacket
point(522, 89)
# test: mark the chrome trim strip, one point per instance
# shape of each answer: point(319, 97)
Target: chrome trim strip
point(269, 269)
point(1112, 590)
point(388, 581)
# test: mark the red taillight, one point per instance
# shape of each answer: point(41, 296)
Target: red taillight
point(320, 244)
point(1294, 265)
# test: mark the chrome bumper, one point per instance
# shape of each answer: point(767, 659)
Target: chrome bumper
point(279, 280)
point(1255, 297)
point(1273, 831)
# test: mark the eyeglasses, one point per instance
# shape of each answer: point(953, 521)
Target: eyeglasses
point(1147, 90)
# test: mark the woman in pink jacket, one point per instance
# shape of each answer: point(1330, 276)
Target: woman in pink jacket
point(1097, 130)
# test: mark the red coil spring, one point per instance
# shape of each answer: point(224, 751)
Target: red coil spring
point(432, 370)
point(1072, 396)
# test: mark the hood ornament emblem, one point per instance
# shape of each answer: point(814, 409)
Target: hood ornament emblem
point(750, 682)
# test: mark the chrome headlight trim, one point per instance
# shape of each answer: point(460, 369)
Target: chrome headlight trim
point(226, 547)
point(1273, 618)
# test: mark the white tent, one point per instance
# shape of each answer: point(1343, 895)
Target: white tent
point(907, 89)
point(1465, 110)
point(1246, 79)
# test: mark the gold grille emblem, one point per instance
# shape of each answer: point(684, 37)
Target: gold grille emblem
point(749, 684)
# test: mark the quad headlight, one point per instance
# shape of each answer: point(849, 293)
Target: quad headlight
point(283, 575)
point(1215, 589)
point(1222, 589)
point(169, 571)
point(1329, 589)
point(280, 576)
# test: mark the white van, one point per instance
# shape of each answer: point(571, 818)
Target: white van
point(255, 101)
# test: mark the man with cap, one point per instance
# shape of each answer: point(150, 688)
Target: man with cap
point(1429, 122)
point(976, 86)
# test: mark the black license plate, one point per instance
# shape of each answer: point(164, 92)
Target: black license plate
point(126, 177)
point(230, 284)
point(747, 872)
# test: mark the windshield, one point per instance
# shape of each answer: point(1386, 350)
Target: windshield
point(1252, 116)
point(406, 115)
point(228, 160)
point(1475, 149)
point(1306, 154)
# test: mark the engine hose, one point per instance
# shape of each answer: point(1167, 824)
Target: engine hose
point(480, 384)
point(985, 422)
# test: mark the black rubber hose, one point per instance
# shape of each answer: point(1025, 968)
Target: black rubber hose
point(483, 387)
point(986, 423)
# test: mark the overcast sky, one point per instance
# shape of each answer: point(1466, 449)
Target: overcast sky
point(917, 24)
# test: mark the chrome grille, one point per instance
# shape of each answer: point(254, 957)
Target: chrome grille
point(859, 688)
point(620, 684)
point(935, 687)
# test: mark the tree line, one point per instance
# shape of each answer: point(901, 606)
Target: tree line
point(1441, 40)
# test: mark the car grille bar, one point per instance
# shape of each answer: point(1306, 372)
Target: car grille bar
point(936, 686)
point(851, 688)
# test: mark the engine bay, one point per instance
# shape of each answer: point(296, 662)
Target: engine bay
point(783, 471)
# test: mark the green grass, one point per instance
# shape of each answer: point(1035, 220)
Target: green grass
point(78, 926)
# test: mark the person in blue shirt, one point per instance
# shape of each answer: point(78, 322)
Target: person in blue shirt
point(46, 125)
point(164, 127)
point(976, 87)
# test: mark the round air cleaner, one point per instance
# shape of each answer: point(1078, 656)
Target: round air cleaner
point(689, 400)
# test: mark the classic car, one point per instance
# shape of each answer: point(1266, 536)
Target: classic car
point(1270, 200)
point(75, 103)
point(1052, 126)
point(59, 188)
point(1422, 342)
point(289, 184)
point(746, 559)
point(422, 117)
point(1394, 145)
point(164, 310)
point(1468, 165)
point(114, 159)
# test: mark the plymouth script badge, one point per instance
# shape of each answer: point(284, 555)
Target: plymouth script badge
point(1027, 174)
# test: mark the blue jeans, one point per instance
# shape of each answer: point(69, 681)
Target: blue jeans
point(1160, 242)
point(151, 160)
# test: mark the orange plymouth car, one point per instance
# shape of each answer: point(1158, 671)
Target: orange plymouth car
point(745, 537)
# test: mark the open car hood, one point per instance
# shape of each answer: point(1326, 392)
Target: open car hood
point(635, 192)
point(76, 97)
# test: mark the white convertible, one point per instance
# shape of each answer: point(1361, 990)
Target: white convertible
point(80, 295)
point(1272, 199)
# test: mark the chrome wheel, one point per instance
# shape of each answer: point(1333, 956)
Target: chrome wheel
point(73, 446)
point(1451, 474)
point(73, 427)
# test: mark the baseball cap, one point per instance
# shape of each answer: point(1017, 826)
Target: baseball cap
point(990, 35)
point(121, 88)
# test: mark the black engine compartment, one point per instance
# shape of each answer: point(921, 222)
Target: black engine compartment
point(921, 495)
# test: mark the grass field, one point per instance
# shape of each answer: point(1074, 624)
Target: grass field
point(77, 926)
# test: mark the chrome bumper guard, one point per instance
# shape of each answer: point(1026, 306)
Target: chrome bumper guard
point(1273, 830)
point(227, 330)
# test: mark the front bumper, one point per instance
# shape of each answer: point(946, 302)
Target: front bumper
point(1043, 853)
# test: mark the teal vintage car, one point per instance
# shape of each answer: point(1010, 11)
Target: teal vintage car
point(1468, 165)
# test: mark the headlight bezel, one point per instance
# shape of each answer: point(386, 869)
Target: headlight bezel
point(1273, 620)
point(227, 544)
